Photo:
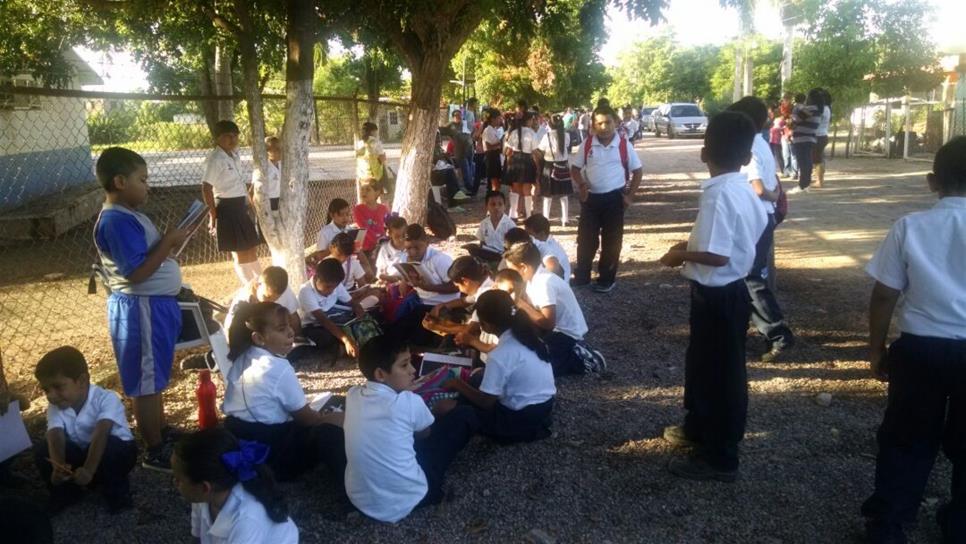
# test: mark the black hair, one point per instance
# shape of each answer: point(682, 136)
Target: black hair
point(467, 267)
point(516, 235)
point(827, 96)
point(949, 165)
point(753, 107)
point(496, 308)
point(494, 194)
point(816, 97)
point(537, 224)
point(415, 233)
point(799, 98)
point(522, 104)
point(116, 161)
point(517, 124)
point(225, 127)
point(605, 110)
point(379, 352)
point(371, 183)
point(252, 317)
point(557, 124)
point(471, 100)
point(527, 253)
point(727, 142)
point(344, 242)
point(510, 275)
point(603, 103)
point(329, 270)
point(396, 222)
point(66, 361)
point(455, 112)
point(368, 128)
point(275, 278)
point(200, 454)
point(335, 206)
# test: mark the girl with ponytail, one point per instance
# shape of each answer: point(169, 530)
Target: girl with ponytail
point(232, 492)
point(553, 151)
point(515, 399)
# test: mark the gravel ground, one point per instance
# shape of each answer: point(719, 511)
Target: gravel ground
point(601, 477)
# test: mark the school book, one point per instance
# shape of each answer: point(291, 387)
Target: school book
point(435, 361)
point(326, 402)
point(14, 434)
point(411, 270)
point(192, 220)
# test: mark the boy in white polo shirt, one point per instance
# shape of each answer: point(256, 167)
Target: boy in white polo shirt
point(389, 471)
point(323, 300)
point(88, 440)
point(922, 259)
point(717, 258)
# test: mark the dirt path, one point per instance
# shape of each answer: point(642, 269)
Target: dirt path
point(601, 477)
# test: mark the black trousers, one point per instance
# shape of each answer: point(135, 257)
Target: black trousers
point(926, 410)
point(562, 357)
point(508, 426)
point(448, 435)
point(601, 226)
point(296, 449)
point(111, 477)
point(409, 330)
point(715, 380)
point(803, 153)
point(766, 315)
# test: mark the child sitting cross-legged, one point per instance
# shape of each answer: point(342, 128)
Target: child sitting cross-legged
point(270, 286)
point(492, 229)
point(265, 402)
point(357, 278)
point(553, 308)
point(555, 257)
point(472, 278)
point(232, 491)
point(396, 455)
point(515, 399)
point(324, 299)
point(506, 280)
point(88, 440)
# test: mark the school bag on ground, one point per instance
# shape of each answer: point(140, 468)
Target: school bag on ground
point(438, 220)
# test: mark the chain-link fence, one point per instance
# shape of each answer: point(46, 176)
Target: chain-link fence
point(902, 128)
point(49, 199)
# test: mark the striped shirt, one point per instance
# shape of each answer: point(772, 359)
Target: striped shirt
point(806, 120)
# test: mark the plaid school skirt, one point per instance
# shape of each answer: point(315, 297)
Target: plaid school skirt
point(555, 180)
point(520, 169)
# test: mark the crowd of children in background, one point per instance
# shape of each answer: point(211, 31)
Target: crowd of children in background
point(380, 293)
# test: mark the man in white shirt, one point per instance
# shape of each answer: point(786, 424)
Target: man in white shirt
point(607, 173)
point(766, 314)
point(921, 261)
point(717, 259)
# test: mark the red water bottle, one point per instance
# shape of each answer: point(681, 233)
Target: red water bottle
point(207, 416)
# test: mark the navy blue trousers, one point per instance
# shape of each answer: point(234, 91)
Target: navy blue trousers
point(111, 476)
point(448, 435)
point(295, 449)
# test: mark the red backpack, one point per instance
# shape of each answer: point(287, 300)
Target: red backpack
point(622, 147)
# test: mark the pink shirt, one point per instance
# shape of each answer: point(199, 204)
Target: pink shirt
point(373, 220)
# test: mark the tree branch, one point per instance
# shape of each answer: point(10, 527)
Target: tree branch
point(219, 20)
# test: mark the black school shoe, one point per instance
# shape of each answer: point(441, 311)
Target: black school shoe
point(158, 458)
point(778, 351)
point(604, 287)
point(694, 468)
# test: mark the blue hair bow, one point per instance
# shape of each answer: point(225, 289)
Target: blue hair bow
point(242, 461)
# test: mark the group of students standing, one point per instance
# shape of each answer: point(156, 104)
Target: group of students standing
point(798, 136)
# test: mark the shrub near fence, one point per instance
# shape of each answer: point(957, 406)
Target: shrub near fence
point(44, 281)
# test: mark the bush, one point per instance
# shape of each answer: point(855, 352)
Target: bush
point(113, 126)
point(173, 136)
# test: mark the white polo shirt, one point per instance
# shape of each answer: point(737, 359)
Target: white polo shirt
point(326, 234)
point(287, 301)
point(604, 170)
point(485, 337)
point(552, 151)
point(523, 140)
point(242, 520)
point(762, 166)
point(310, 300)
point(492, 135)
point(262, 387)
point(388, 256)
point(223, 171)
point(924, 256)
point(729, 223)
point(79, 426)
point(273, 185)
point(548, 289)
point(552, 248)
point(492, 237)
point(516, 375)
point(436, 264)
point(354, 273)
point(824, 121)
point(382, 477)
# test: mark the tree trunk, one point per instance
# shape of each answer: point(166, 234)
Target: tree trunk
point(222, 82)
point(416, 158)
point(749, 76)
point(788, 35)
point(739, 72)
point(372, 89)
point(206, 84)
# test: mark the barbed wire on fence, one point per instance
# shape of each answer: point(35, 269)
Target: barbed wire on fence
point(49, 198)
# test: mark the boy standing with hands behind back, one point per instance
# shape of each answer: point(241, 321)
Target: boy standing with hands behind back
point(717, 258)
point(142, 310)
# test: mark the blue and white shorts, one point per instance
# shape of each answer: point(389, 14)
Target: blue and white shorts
point(144, 330)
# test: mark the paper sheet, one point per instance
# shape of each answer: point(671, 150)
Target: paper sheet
point(13, 431)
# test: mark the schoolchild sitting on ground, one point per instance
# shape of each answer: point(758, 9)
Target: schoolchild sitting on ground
point(717, 259)
point(370, 215)
point(515, 399)
point(270, 286)
point(921, 260)
point(357, 278)
point(517, 235)
point(392, 250)
point(337, 220)
point(264, 401)
point(324, 303)
point(232, 492)
point(555, 257)
point(88, 441)
point(472, 278)
point(397, 456)
point(492, 229)
point(142, 311)
point(553, 308)
point(435, 288)
point(506, 280)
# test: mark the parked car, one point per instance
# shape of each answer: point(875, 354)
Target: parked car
point(647, 121)
point(679, 119)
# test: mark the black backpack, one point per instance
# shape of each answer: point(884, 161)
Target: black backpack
point(438, 219)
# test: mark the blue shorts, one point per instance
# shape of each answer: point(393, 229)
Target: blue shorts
point(144, 330)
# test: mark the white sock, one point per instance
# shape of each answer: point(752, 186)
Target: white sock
point(564, 210)
point(240, 271)
point(547, 203)
point(528, 205)
point(514, 205)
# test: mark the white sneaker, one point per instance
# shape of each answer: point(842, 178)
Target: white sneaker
point(797, 190)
